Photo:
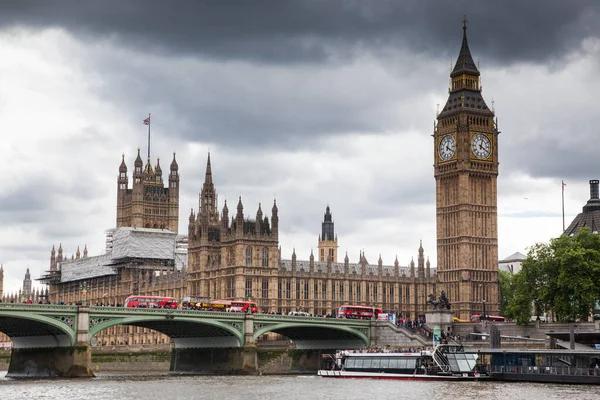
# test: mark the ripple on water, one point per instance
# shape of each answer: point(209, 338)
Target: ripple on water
point(164, 386)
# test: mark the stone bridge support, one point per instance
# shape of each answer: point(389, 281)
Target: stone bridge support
point(29, 360)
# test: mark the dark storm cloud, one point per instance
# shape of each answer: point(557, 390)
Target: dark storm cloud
point(275, 31)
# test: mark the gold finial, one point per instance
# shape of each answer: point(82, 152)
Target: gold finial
point(464, 21)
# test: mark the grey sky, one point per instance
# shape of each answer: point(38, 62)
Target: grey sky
point(311, 102)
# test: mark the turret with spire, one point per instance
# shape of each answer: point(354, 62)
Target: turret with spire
point(27, 285)
point(328, 243)
point(53, 259)
point(421, 261)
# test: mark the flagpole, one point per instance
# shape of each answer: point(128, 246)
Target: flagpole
point(563, 205)
point(149, 121)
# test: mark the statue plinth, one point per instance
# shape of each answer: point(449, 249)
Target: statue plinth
point(441, 318)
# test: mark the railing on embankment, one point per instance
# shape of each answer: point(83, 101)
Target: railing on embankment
point(545, 374)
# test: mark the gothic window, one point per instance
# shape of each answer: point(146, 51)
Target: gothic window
point(265, 257)
point(324, 291)
point(230, 288)
point(400, 294)
point(342, 291)
point(368, 292)
point(248, 256)
point(230, 256)
point(279, 290)
point(316, 290)
point(248, 287)
point(358, 292)
point(305, 290)
point(350, 292)
point(297, 290)
point(322, 254)
point(288, 289)
point(265, 289)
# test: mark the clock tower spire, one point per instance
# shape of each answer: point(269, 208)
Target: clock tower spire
point(466, 170)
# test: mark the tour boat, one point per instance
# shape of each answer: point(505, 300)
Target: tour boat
point(446, 362)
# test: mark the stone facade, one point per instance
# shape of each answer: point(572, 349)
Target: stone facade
point(148, 204)
point(241, 259)
point(465, 141)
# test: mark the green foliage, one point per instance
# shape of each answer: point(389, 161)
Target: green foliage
point(507, 292)
point(562, 276)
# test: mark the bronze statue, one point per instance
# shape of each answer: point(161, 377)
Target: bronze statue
point(441, 303)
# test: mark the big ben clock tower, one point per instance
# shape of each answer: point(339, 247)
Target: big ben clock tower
point(466, 171)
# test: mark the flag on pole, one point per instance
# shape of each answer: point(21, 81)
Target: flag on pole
point(147, 121)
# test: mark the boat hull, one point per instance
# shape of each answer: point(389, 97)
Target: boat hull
point(407, 377)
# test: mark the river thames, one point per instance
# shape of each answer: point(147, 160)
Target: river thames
point(119, 386)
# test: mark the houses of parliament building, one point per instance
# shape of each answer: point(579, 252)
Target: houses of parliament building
point(226, 254)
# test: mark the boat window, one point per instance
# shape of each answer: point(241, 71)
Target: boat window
point(375, 363)
point(350, 363)
point(385, 362)
point(394, 363)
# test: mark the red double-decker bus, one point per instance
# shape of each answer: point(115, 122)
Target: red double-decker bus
point(358, 312)
point(244, 306)
point(151, 302)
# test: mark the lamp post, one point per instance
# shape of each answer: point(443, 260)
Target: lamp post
point(396, 316)
point(483, 316)
point(83, 288)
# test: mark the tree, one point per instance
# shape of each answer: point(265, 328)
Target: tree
point(562, 276)
point(507, 292)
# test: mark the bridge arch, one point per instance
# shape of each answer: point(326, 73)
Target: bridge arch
point(184, 331)
point(317, 335)
point(31, 330)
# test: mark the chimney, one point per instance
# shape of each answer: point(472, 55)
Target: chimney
point(594, 194)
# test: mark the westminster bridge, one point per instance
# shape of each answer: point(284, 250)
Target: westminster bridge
point(53, 340)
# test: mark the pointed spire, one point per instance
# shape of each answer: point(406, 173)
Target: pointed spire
point(123, 166)
point(158, 169)
point(85, 251)
point(77, 253)
point(465, 63)
point(174, 166)
point(138, 163)
point(208, 175)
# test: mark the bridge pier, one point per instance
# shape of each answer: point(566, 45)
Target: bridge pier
point(43, 357)
point(214, 361)
point(47, 362)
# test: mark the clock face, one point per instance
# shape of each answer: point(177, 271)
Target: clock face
point(447, 147)
point(481, 146)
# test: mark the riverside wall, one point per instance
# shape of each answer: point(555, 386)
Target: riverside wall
point(157, 359)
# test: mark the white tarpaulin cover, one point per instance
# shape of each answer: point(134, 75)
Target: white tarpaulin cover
point(128, 242)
